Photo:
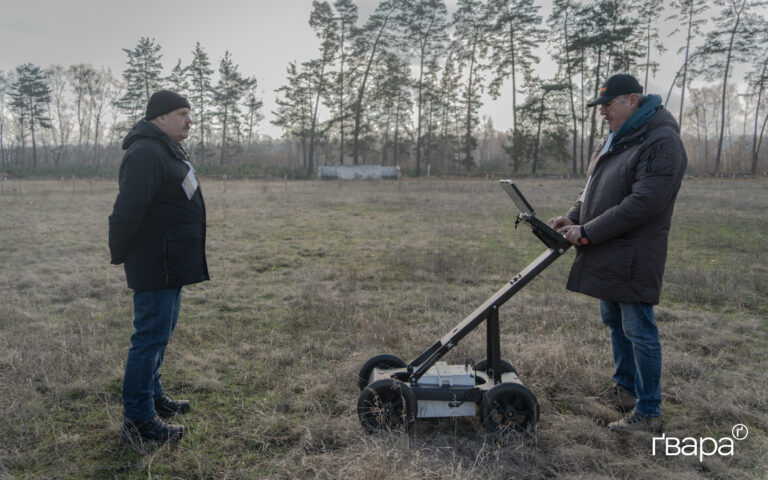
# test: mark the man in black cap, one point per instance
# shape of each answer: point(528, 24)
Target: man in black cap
point(620, 225)
point(157, 229)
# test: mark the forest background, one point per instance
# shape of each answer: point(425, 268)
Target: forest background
point(409, 83)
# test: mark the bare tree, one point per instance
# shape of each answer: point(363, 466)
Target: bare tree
point(5, 82)
point(58, 80)
point(649, 10)
point(759, 80)
point(81, 76)
point(727, 43)
point(691, 13)
point(102, 92)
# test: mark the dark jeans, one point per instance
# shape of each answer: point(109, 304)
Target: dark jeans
point(636, 352)
point(155, 313)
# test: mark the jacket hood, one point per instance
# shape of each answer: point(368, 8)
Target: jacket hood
point(144, 129)
point(651, 104)
point(663, 118)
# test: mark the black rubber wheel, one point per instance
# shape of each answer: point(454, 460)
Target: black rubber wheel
point(387, 405)
point(506, 367)
point(383, 360)
point(509, 407)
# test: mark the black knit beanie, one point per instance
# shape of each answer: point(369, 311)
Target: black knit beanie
point(164, 101)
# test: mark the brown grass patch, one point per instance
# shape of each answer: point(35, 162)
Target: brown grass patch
point(310, 279)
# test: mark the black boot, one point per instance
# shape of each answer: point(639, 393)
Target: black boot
point(152, 429)
point(166, 407)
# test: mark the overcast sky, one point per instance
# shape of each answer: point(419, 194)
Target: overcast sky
point(262, 36)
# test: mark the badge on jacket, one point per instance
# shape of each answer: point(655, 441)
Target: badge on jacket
point(189, 184)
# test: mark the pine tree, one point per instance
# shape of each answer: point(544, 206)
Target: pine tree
point(449, 110)
point(542, 118)
point(322, 22)
point(30, 95)
point(561, 23)
point(425, 25)
point(612, 44)
point(391, 105)
point(253, 104)
point(142, 77)
point(376, 35)
point(431, 100)
point(200, 89)
point(346, 16)
point(294, 110)
point(471, 43)
point(514, 33)
point(227, 95)
point(178, 79)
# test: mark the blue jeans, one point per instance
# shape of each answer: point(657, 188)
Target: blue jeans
point(155, 313)
point(636, 352)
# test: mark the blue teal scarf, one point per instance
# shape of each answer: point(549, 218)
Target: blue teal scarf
point(647, 109)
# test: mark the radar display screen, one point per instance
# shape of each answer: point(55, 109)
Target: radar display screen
point(514, 193)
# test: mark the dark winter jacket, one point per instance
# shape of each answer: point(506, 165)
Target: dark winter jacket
point(626, 209)
point(154, 229)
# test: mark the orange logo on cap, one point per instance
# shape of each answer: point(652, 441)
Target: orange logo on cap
point(602, 90)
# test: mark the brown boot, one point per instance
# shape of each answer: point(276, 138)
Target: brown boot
point(152, 430)
point(166, 407)
point(636, 423)
point(618, 397)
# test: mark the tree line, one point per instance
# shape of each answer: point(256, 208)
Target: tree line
point(75, 112)
point(405, 86)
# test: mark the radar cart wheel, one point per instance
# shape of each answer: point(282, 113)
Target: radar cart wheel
point(383, 360)
point(509, 406)
point(506, 367)
point(387, 405)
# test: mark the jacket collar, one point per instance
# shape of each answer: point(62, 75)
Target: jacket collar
point(147, 129)
point(648, 108)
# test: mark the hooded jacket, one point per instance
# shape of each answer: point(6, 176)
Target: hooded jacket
point(154, 229)
point(626, 209)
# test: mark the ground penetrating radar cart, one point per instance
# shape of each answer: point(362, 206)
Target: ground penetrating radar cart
point(394, 394)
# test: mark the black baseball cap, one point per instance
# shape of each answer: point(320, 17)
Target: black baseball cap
point(619, 84)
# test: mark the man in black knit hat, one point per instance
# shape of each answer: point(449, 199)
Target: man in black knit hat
point(157, 230)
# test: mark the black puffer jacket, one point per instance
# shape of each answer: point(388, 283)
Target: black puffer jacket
point(626, 213)
point(154, 229)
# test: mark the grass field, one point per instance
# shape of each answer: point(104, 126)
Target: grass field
point(310, 279)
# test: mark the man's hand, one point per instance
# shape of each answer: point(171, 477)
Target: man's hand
point(567, 229)
point(572, 233)
point(559, 223)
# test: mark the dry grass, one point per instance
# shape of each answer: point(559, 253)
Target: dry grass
point(310, 279)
